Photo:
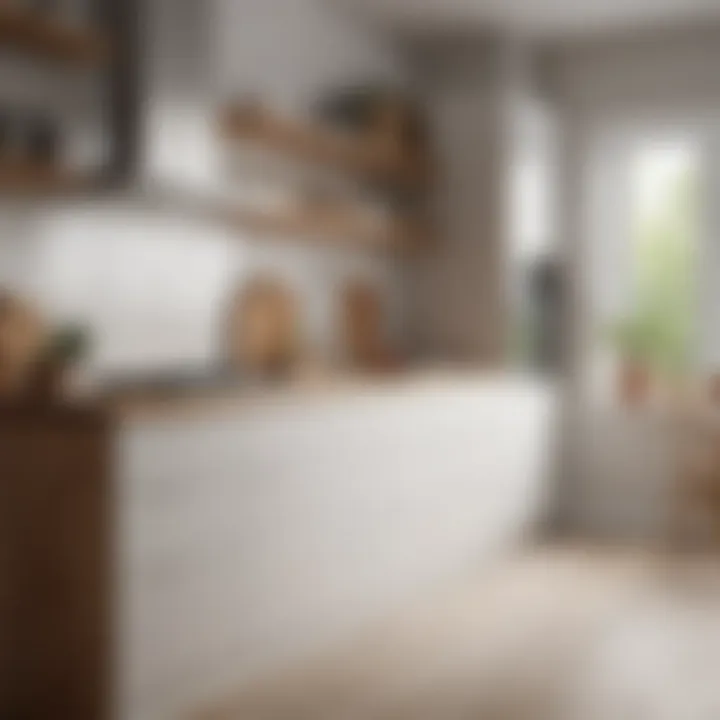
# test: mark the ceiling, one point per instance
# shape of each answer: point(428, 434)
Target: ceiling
point(543, 18)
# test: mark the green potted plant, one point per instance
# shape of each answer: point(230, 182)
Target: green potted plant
point(635, 338)
point(66, 346)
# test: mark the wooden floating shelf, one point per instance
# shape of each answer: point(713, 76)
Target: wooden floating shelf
point(31, 178)
point(335, 227)
point(325, 147)
point(339, 227)
point(37, 34)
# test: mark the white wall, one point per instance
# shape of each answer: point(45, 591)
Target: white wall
point(154, 285)
point(295, 48)
point(150, 278)
point(668, 71)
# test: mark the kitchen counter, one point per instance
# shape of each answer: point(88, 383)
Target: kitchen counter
point(261, 525)
point(227, 396)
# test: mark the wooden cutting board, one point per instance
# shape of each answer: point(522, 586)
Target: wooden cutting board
point(263, 328)
point(22, 338)
point(365, 323)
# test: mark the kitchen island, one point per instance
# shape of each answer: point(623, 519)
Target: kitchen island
point(252, 528)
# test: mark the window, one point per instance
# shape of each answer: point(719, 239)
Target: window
point(664, 187)
point(643, 240)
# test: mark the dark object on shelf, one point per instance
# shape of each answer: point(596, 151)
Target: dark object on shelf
point(381, 112)
point(43, 7)
point(7, 133)
point(104, 36)
point(390, 121)
point(362, 156)
point(42, 140)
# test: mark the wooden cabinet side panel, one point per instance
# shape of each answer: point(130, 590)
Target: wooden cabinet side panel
point(56, 567)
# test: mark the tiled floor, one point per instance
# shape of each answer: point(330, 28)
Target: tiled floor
point(557, 634)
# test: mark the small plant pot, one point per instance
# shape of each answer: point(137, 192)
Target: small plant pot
point(634, 383)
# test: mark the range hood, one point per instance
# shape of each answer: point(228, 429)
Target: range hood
point(167, 148)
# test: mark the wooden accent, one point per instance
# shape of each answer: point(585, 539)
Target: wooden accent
point(55, 568)
point(263, 332)
point(34, 33)
point(25, 177)
point(23, 336)
point(362, 157)
point(695, 510)
point(365, 331)
point(339, 225)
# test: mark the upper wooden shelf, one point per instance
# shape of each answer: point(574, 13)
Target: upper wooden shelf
point(340, 226)
point(323, 146)
point(27, 178)
point(36, 34)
